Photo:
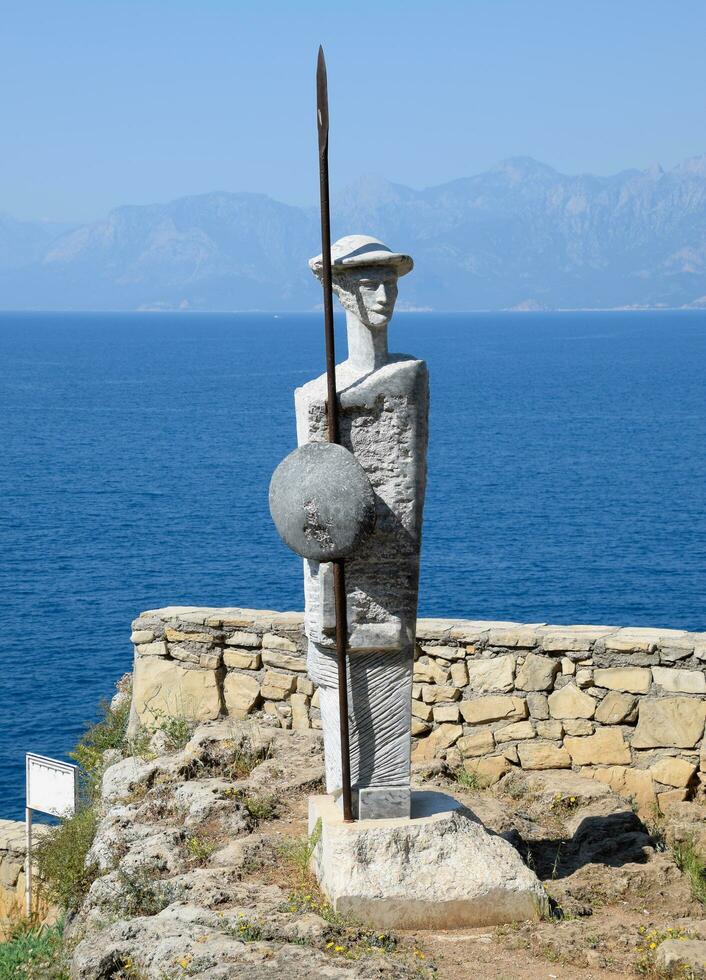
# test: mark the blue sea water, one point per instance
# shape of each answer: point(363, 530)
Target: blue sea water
point(567, 482)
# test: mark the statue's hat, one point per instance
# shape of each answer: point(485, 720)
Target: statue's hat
point(355, 251)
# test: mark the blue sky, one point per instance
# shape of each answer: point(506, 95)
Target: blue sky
point(105, 103)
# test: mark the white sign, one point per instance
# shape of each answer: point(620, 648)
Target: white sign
point(51, 786)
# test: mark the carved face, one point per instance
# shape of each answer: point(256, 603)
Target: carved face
point(370, 293)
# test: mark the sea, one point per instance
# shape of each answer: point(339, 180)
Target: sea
point(567, 482)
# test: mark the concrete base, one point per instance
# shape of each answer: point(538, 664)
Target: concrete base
point(438, 869)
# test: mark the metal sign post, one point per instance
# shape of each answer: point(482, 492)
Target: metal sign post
point(51, 787)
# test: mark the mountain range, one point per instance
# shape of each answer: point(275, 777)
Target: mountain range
point(518, 236)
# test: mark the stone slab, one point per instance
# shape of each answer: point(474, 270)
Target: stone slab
point(438, 869)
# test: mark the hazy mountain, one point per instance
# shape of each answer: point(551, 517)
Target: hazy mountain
point(520, 235)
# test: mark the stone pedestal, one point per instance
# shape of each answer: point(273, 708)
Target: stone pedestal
point(440, 868)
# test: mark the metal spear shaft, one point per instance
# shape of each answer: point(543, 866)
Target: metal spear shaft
point(339, 576)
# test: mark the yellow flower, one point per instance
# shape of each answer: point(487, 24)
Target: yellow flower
point(339, 949)
point(329, 945)
point(653, 945)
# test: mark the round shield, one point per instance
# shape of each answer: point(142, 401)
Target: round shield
point(321, 501)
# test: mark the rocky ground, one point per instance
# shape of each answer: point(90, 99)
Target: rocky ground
point(202, 856)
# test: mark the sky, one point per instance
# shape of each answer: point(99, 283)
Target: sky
point(107, 103)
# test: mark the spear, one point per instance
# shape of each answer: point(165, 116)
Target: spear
point(339, 577)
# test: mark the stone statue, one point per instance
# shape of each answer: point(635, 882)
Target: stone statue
point(383, 422)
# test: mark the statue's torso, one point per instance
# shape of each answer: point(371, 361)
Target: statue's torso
point(383, 422)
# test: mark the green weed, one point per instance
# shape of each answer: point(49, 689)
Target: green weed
point(61, 859)
point(35, 953)
point(691, 862)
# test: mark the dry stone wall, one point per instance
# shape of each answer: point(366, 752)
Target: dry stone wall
point(12, 874)
point(626, 706)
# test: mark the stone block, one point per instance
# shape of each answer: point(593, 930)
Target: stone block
point(669, 722)
point(680, 681)
point(489, 770)
point(605, 747)
point(684, 958)
point(539, 754)
point(665, 800)
point(481, 710)
point(211, 660)
point(459, 674)
point(538, 705)
point(446, 712)
point(179, 636)
point(638, 786)
point(141, 637)
point(568, 667)
point(673, 771)
point(419, 728)
point(162, 687)
point(615, 708)
point(578, 726)
point(184, 654)
point(480, 743)
point(552, 730)
point(422, 711)
point(584, 677)
point(636, 680)
point(282, 682)
point(570, 702)
point(315, 699)
point(632, 639)
point(273, 642)
point(515, 731)
point(441, 869)
point(241, 693)
point(516, 636)
point(447, 652)
point(156, 649)
point(537, 673)
point(299, 704)
point(433, 745)
point(492, 674)
point(435, 693)
point(430, 673)
point(242, 659)
point(273, 658)
point(241, 639)
point(305, 686)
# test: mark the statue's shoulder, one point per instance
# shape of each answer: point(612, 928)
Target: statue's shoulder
point(401, 375)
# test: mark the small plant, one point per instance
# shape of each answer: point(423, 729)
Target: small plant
point(200, 848)
point(648, 943)
point(298, 853)
point(110, 732)
point(561, 805)
point(61, 859)
point(691, 862)
point(261, 806)
point(141, 895)
point(177, 729)
point(33, 953)
point(247, 931)
point(469, 780)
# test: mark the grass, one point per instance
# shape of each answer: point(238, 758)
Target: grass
point(110, 732)
point(200, 849)
point(260, 806)
point(691, 862)
point(469, 780)
point(34, 953)
point(141, 895)
point(647, 947)
point(61, 859)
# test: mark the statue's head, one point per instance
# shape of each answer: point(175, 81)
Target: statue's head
point(364, 277)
